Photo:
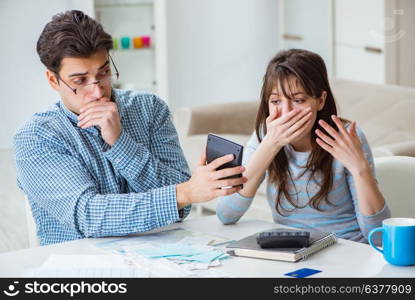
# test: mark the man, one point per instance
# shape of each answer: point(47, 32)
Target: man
point(103, 162)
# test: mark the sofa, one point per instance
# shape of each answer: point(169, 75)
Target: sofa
point(386, 114)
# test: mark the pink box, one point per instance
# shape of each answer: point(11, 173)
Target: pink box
point(146, 40)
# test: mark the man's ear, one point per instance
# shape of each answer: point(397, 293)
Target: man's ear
point(52, 79)
point(322, 100)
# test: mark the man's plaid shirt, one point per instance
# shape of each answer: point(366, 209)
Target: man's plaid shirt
point(78, 186)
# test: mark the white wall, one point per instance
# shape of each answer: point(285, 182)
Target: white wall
point(23, 85)
point(218, 50)
point(407, 44)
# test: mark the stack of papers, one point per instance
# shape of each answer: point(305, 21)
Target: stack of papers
point(172, 253)
point(93, 266)
point(183, 252)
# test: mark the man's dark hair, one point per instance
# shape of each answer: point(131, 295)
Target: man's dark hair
point(71, 34)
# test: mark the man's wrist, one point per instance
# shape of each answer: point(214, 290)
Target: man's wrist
point(113, 140)
point(182, 195)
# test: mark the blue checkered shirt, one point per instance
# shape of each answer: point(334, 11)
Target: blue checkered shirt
point(78, 186)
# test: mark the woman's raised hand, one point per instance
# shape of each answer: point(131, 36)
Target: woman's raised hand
point(282, 130)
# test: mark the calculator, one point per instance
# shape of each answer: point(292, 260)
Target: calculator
point(283, 239)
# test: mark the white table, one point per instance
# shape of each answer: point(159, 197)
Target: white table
point(344, 259)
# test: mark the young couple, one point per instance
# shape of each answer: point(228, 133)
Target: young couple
point(106, 162)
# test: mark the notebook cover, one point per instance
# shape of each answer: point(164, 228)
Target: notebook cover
point(249, 247)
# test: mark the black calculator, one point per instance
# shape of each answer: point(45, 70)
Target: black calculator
point(283, 239)
point(217, 146)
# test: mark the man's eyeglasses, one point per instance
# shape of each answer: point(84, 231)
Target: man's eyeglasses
point(104, 80)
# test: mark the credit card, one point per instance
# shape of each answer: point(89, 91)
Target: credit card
point(301, 273)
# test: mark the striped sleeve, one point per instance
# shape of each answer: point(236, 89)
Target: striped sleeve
point(366, 223)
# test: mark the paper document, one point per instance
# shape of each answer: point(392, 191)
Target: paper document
point(58, 265)
point(172, 253)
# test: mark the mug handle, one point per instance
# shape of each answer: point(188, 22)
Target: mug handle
point(379, 229)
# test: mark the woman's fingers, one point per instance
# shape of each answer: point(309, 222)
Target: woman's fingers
point(296, 118)
point(296, 132)
point(272, 116)
point(285, 126)
point(353, 131)
point(299, 125)
point(285, 118)
point(323, 145)
point(325, 138)
point(339, 125)
point(330, 130)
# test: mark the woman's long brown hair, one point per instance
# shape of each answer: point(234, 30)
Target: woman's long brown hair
point(310, 71)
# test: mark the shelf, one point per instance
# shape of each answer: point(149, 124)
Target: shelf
point(134, 49)
point(124, 3)
point(139, 67)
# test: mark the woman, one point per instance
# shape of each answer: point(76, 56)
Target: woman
point(319, 167)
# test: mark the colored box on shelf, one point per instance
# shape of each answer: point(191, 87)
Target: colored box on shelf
point(137, 42)
point(146, 40)
point(125, 42)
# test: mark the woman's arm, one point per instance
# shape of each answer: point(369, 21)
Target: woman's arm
point(370, 198)
point(347, 148)
point(231, 208)
point(353, 151)
point(257, 166)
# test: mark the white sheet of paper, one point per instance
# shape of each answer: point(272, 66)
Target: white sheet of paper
point(58, 265)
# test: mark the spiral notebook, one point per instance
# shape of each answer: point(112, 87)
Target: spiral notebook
point(248, 247)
